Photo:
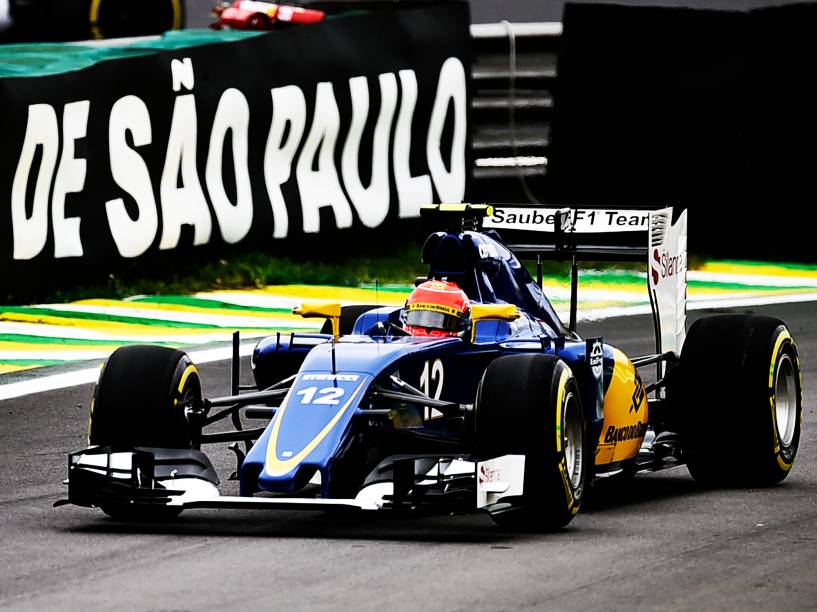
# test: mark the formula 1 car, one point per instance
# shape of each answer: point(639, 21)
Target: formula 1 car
point(514, 415)
point(254, 15)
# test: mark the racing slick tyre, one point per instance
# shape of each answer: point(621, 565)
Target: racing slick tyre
point(348, 318)
point(530, 405)
point(141, 399)
point(738, 400)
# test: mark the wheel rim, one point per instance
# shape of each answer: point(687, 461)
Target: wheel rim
point(785, 400)
point(259, 21)
point(572, 440)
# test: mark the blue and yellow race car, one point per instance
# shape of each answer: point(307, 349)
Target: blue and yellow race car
point(473, 396)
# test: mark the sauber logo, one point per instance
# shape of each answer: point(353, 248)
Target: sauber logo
point(665, 265)
point(489, 474)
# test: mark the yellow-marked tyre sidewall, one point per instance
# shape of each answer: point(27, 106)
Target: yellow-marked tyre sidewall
point(565, 385)
point(779, 464)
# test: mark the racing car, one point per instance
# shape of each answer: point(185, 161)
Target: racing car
point(255, 15)
point(475, 395)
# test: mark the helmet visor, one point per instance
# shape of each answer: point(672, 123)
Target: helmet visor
point(433, 320)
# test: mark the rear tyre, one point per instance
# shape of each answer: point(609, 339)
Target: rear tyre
point(141, 399)
point(530, 405)
point(739, 401)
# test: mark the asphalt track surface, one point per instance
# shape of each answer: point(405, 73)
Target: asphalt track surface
point(653, 542)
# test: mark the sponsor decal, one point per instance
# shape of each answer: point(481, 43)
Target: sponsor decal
point(614, 434)
point(489, 474)
point(579, 220)
point(436, 308)
point(664, 264)
point(597, 358)
point(638, 394)
point(339, 377)
point(566, 482)
point(500, 477)
point(487, 251)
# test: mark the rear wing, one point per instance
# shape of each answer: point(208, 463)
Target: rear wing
point(608, 234)
point(646, 234)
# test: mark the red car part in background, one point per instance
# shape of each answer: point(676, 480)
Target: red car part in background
point(253, 15)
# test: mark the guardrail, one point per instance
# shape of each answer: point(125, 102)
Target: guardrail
point(514, 73)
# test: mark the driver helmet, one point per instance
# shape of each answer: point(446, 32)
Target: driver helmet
point(437, 308)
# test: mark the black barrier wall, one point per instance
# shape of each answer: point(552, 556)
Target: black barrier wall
point(351, 124)
point(59, 20)
point(709, 110)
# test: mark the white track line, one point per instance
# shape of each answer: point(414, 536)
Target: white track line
point(89, 375)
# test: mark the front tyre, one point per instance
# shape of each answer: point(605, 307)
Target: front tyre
point(530, 405)
point(142, 398)
point(740, 400)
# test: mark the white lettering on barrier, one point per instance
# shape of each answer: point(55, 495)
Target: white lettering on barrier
point(185, 204)
point(372, 202)
point(182, 74)
point(288, 113)
point(412, 191)
point(182, 200)
point(132, 236)
point(70, 179)
point(42, 131)
point(451, 88)
point(232, 115)
point(321, 188)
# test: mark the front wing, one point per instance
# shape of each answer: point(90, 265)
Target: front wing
point(154, 478)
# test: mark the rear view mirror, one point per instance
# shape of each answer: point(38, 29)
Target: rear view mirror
point(491, 312)
point(319, 310)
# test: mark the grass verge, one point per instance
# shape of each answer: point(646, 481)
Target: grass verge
point(399, 263)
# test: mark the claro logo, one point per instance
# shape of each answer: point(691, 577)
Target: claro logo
point(664, 265)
